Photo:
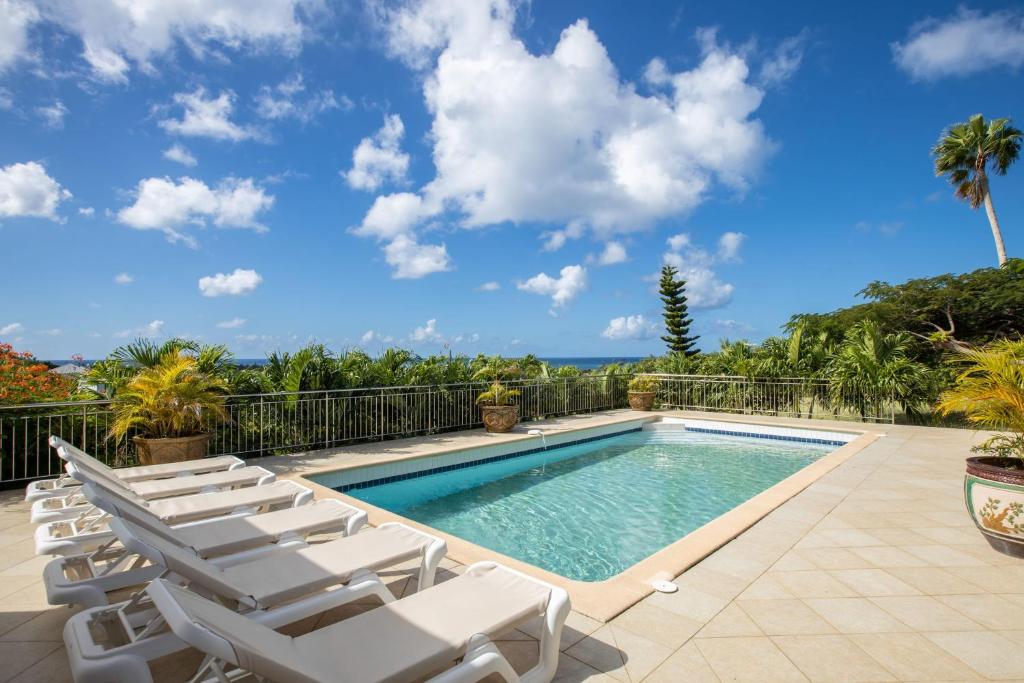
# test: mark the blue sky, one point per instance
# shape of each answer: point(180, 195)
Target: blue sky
point(492, 176)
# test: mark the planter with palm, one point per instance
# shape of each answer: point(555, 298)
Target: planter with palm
point(168, 409)
point(498, 412)
point(989, 391)
point(967, 152)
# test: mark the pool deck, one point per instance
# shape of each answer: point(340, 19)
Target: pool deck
point(873, 572)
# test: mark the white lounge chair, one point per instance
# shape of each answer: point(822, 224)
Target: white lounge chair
point(399, 642)
point(89, 532)
point(65, 484)
point(86, 579)
point(277, 589)
point(73, 505)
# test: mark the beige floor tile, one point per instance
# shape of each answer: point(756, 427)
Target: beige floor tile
point(686, 664)
point(924, 613)
point(660, 625)
point(872, 582)
point(47, 626)
point(888, 556)
point(951, 536)
point(53, 668)
point(796, 560)
point(912, 657)
point(944, 556)
point(831, 659)
point(856, 615)
point(571, 670)
point(814, 584)
point(991, 611)
point(833, 558)
point(621, 654)
point(851, 538)
point(900, 537)
point(743, 660)
point(784, 617)
point(990, 654)
point(17, 657)
point(689, 602)
point(730, 622)
point(766, 587)
point(1015, 636)
point(936, 581)
point(1008, 579)
point(577, 627)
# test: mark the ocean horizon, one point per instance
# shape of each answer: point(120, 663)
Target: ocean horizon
point(581, 362)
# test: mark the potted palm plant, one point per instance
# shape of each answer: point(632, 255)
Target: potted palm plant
point(498, 412)
point(989, 391)
point(168, 409)
point(641, 391)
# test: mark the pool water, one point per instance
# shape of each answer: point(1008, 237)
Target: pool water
point(589, 511)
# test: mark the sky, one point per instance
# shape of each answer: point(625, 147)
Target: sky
point(480, 175)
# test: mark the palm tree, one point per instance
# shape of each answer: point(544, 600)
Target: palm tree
point(872, 368)
point(990, 392)
point(966, 150)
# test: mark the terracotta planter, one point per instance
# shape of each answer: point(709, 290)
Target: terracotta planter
point(994, 493)
point(500, 419)
point(159, 451)
point(641, 400)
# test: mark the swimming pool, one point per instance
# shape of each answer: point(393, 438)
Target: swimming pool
point(589, 510)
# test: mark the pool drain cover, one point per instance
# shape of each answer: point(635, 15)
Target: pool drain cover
point(663, 586)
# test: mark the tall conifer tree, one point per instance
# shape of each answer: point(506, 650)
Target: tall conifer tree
point(677, 319)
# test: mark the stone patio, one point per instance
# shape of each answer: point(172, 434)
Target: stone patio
point(872, 573)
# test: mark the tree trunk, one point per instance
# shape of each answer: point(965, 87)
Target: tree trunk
point(997, 234)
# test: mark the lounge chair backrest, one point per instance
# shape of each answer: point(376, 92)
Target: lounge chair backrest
point(231, 637)
point(74, 454)
point(179, 560)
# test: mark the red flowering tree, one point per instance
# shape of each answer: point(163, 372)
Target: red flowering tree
point(23, 379)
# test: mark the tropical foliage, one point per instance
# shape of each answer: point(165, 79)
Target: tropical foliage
point(23, 379)
point(173, 397)
point(643, 384)
point(989, 390)
point(967, 152)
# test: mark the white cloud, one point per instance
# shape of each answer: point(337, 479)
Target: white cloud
point(729, 246)
point(965, 43)
point(427, 333)
point(379, 158)
point(53, 114)
point(210, 118)
point(52, 332)
point(11, 328)
point(27, 190)
point(491, 286)
point(370, 337)
point(613, 253)
point(115, 33)
point(567, 286)
point(696, 267)
point(241, 281)
point(232, 324)
point(733, 326)
point(560, 138)
point(86, 211)
point(16, 17)
point(288, 100)
point(391, 220)
point(785, 61)
point(412, 260)
point(181, 155)
point(630, 327)
point(6, 99)
point(124, 279)
point(152, 329)
point(165, 205)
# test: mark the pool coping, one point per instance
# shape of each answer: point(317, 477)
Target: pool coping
point(603, 600)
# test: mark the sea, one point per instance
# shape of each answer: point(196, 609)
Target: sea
point(581, 362)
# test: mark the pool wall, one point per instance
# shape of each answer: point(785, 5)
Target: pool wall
point(601, 600)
